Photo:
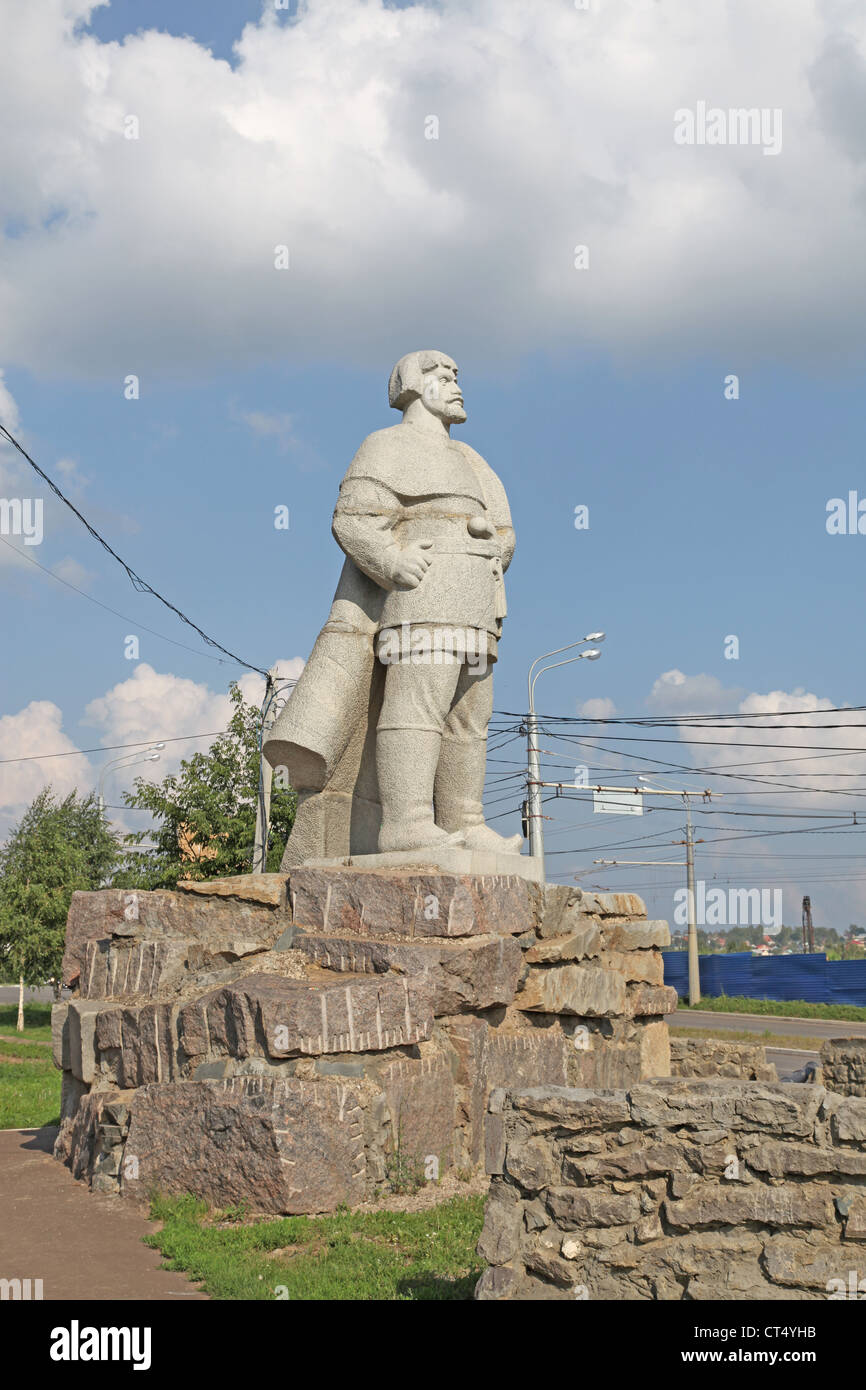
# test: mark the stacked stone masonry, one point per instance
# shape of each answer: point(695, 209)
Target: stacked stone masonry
point(843, 1066)
point(294, 1040)
point(675, 1189)
point(711, 1057)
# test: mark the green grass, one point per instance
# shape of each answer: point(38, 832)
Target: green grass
point(383, 1255)
point(37, 1021)
point(29, 1080)
point(789, 1008)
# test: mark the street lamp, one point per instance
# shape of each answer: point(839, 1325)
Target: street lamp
point(127, 760)
point(536, 831)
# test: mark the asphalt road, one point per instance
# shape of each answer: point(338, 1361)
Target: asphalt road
point(9, 995)
point(818, 1028)
point(788, 1061)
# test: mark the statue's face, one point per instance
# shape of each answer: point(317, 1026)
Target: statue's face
point(441, 394)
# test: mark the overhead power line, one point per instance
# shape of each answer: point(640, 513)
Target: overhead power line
point(110, 747)
point(650, 721)
point(135, 579)
point(134, 621)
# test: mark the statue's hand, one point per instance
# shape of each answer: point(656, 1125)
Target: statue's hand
point(413, 564)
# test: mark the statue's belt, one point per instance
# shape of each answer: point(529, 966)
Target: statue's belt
point(489, 550)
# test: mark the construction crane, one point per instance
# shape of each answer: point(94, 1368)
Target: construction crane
point(808, 929)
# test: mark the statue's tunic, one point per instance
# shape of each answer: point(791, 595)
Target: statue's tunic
point(401, 490)
point(403, 486)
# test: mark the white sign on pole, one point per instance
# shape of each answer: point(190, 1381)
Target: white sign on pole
point(618, 803)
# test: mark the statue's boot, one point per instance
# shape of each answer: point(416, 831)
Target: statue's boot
point(406, 761)
point(458, 792)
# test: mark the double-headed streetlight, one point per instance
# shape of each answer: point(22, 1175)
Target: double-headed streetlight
point(150, 755)
point(536, 831)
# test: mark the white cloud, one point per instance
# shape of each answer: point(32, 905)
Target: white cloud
point(602, 707)
point(73, 572)
point(8, 410)
point(278, 426)
point(555, 128)
point(36, 730)
point(676, 693)
point(149, 707)
point(803, 775)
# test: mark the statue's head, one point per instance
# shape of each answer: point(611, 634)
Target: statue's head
point(430, 377)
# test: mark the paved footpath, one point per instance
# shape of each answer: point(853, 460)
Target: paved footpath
point(82, 1245)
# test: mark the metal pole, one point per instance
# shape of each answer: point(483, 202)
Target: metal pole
point(694, 962)
point(266, 777)
point(536, 825)
point(534, 783)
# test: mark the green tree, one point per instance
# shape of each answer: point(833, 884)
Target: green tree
point(58, 847)
point(205, 815)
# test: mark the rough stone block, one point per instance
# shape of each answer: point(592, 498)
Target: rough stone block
point(655, 1050)
point(577, 1206)
point(60, 1036)
point(477, 972)
point(557, 909)
point(269, 889)
point(420, 1098)
point(641, 966)
point(782, 1108)
point(82, 1018)
point(500, 1235)
point(231, 925)
point(145, 1041)
point(604, 1066)
point(497, 1282)
point(650, 1001)
point(855, 1221)
point(269, 1015)
point(613, 904)
point(636, 936)
point(796, 1264)
point(584, 990)
point(631, 1164)
point(584, 941)
point(804, 1160)
point(408, 903)
point(847, 1118)
point(285, 1146)
point(574, 1108)
point(788, 1205)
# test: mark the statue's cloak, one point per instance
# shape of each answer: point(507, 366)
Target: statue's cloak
point(325, 735)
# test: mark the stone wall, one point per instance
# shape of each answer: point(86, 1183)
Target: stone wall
point(677, 1189)
point(712, 1057)
point(843, 1066)
point(300, 1041)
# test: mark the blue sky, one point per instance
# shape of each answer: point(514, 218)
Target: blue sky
point(706, 515)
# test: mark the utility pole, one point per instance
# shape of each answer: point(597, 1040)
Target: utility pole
point(694, 961)
point(266, 776)
point(808, 929)
point(534, 784)
point(533, 793)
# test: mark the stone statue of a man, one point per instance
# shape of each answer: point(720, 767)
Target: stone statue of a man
point(385, 734)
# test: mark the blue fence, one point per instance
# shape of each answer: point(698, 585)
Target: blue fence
point(812, 977)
